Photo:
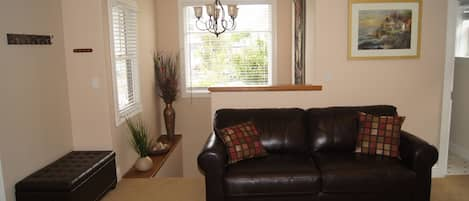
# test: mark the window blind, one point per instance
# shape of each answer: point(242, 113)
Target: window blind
point(124, 31)
point(465, 14)
point(242, 57)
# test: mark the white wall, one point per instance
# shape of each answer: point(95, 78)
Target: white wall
point(459, 136)
point(413, 85)
point(35, 120)
point(37, 81)
point(92, 109)
point(89, 106)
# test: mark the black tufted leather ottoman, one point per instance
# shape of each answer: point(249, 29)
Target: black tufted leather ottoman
point(78, 176)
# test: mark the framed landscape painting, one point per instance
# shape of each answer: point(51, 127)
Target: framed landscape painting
point(384, 29)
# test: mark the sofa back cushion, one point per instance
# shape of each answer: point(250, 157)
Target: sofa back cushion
point(281, 130)
point(335, 129)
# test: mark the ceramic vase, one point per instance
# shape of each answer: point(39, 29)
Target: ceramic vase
point(169, 120)
point(143, 164)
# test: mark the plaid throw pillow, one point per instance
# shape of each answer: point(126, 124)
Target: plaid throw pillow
point(379, 135)
point(242, 142)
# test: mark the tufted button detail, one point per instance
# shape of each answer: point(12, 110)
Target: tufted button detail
point(65, 173)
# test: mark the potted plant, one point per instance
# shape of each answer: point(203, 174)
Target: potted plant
point(166, 77)
point(141, 144)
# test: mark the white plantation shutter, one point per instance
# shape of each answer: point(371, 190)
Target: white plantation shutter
point(124, 32)
point(242, 57)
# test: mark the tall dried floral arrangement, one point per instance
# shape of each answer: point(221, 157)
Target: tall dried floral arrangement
point(166, 76)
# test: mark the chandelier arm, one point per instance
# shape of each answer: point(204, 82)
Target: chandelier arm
point(229, 24)
point(197, 22)
point(211, 25)
point(233, 26)
point(224, 23)
point(223, 14)
point(220, 32)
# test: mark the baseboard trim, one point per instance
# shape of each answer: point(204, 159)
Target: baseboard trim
point(2, 186)
point(437, 172)
point(459, 150)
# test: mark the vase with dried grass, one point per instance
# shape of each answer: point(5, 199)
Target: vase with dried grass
point(166, 77)
point(141, 144)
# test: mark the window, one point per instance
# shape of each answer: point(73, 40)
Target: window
point(462, 37)
point(462, 42)
point(124, 49)
point(243, 57)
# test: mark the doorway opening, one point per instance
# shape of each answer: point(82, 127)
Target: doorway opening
point(454, 139)
point(458, 154)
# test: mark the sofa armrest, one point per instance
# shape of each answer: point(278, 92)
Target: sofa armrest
point(213, 155)
point(419, 156)
point(416, 153)
point(212, 161)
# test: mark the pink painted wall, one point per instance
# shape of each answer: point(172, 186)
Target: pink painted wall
point(92, 108)
point(35, 121)
point(413, 85)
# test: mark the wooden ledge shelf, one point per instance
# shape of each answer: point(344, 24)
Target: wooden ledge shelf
point(158, 161)
point(267, 88)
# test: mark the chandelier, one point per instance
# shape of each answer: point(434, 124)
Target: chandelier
point(217, 23)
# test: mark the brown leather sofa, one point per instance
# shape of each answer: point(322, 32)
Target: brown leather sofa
point(311, 157)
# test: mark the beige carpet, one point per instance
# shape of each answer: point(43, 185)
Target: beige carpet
point(452, 188)
point(158, 189)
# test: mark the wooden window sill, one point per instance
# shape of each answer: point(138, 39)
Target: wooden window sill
point(158, 161)
point(267, 88)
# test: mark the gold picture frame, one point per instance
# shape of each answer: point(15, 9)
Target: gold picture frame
point(384, 29)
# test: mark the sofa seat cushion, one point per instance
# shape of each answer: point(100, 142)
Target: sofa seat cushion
point(355, 173)
point(276, 174)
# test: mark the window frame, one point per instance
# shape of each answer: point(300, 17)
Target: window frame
point(136, 107)
point(185, 91)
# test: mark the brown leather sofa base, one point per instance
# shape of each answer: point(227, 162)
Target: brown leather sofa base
point(78, 176)
point(312, 158)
